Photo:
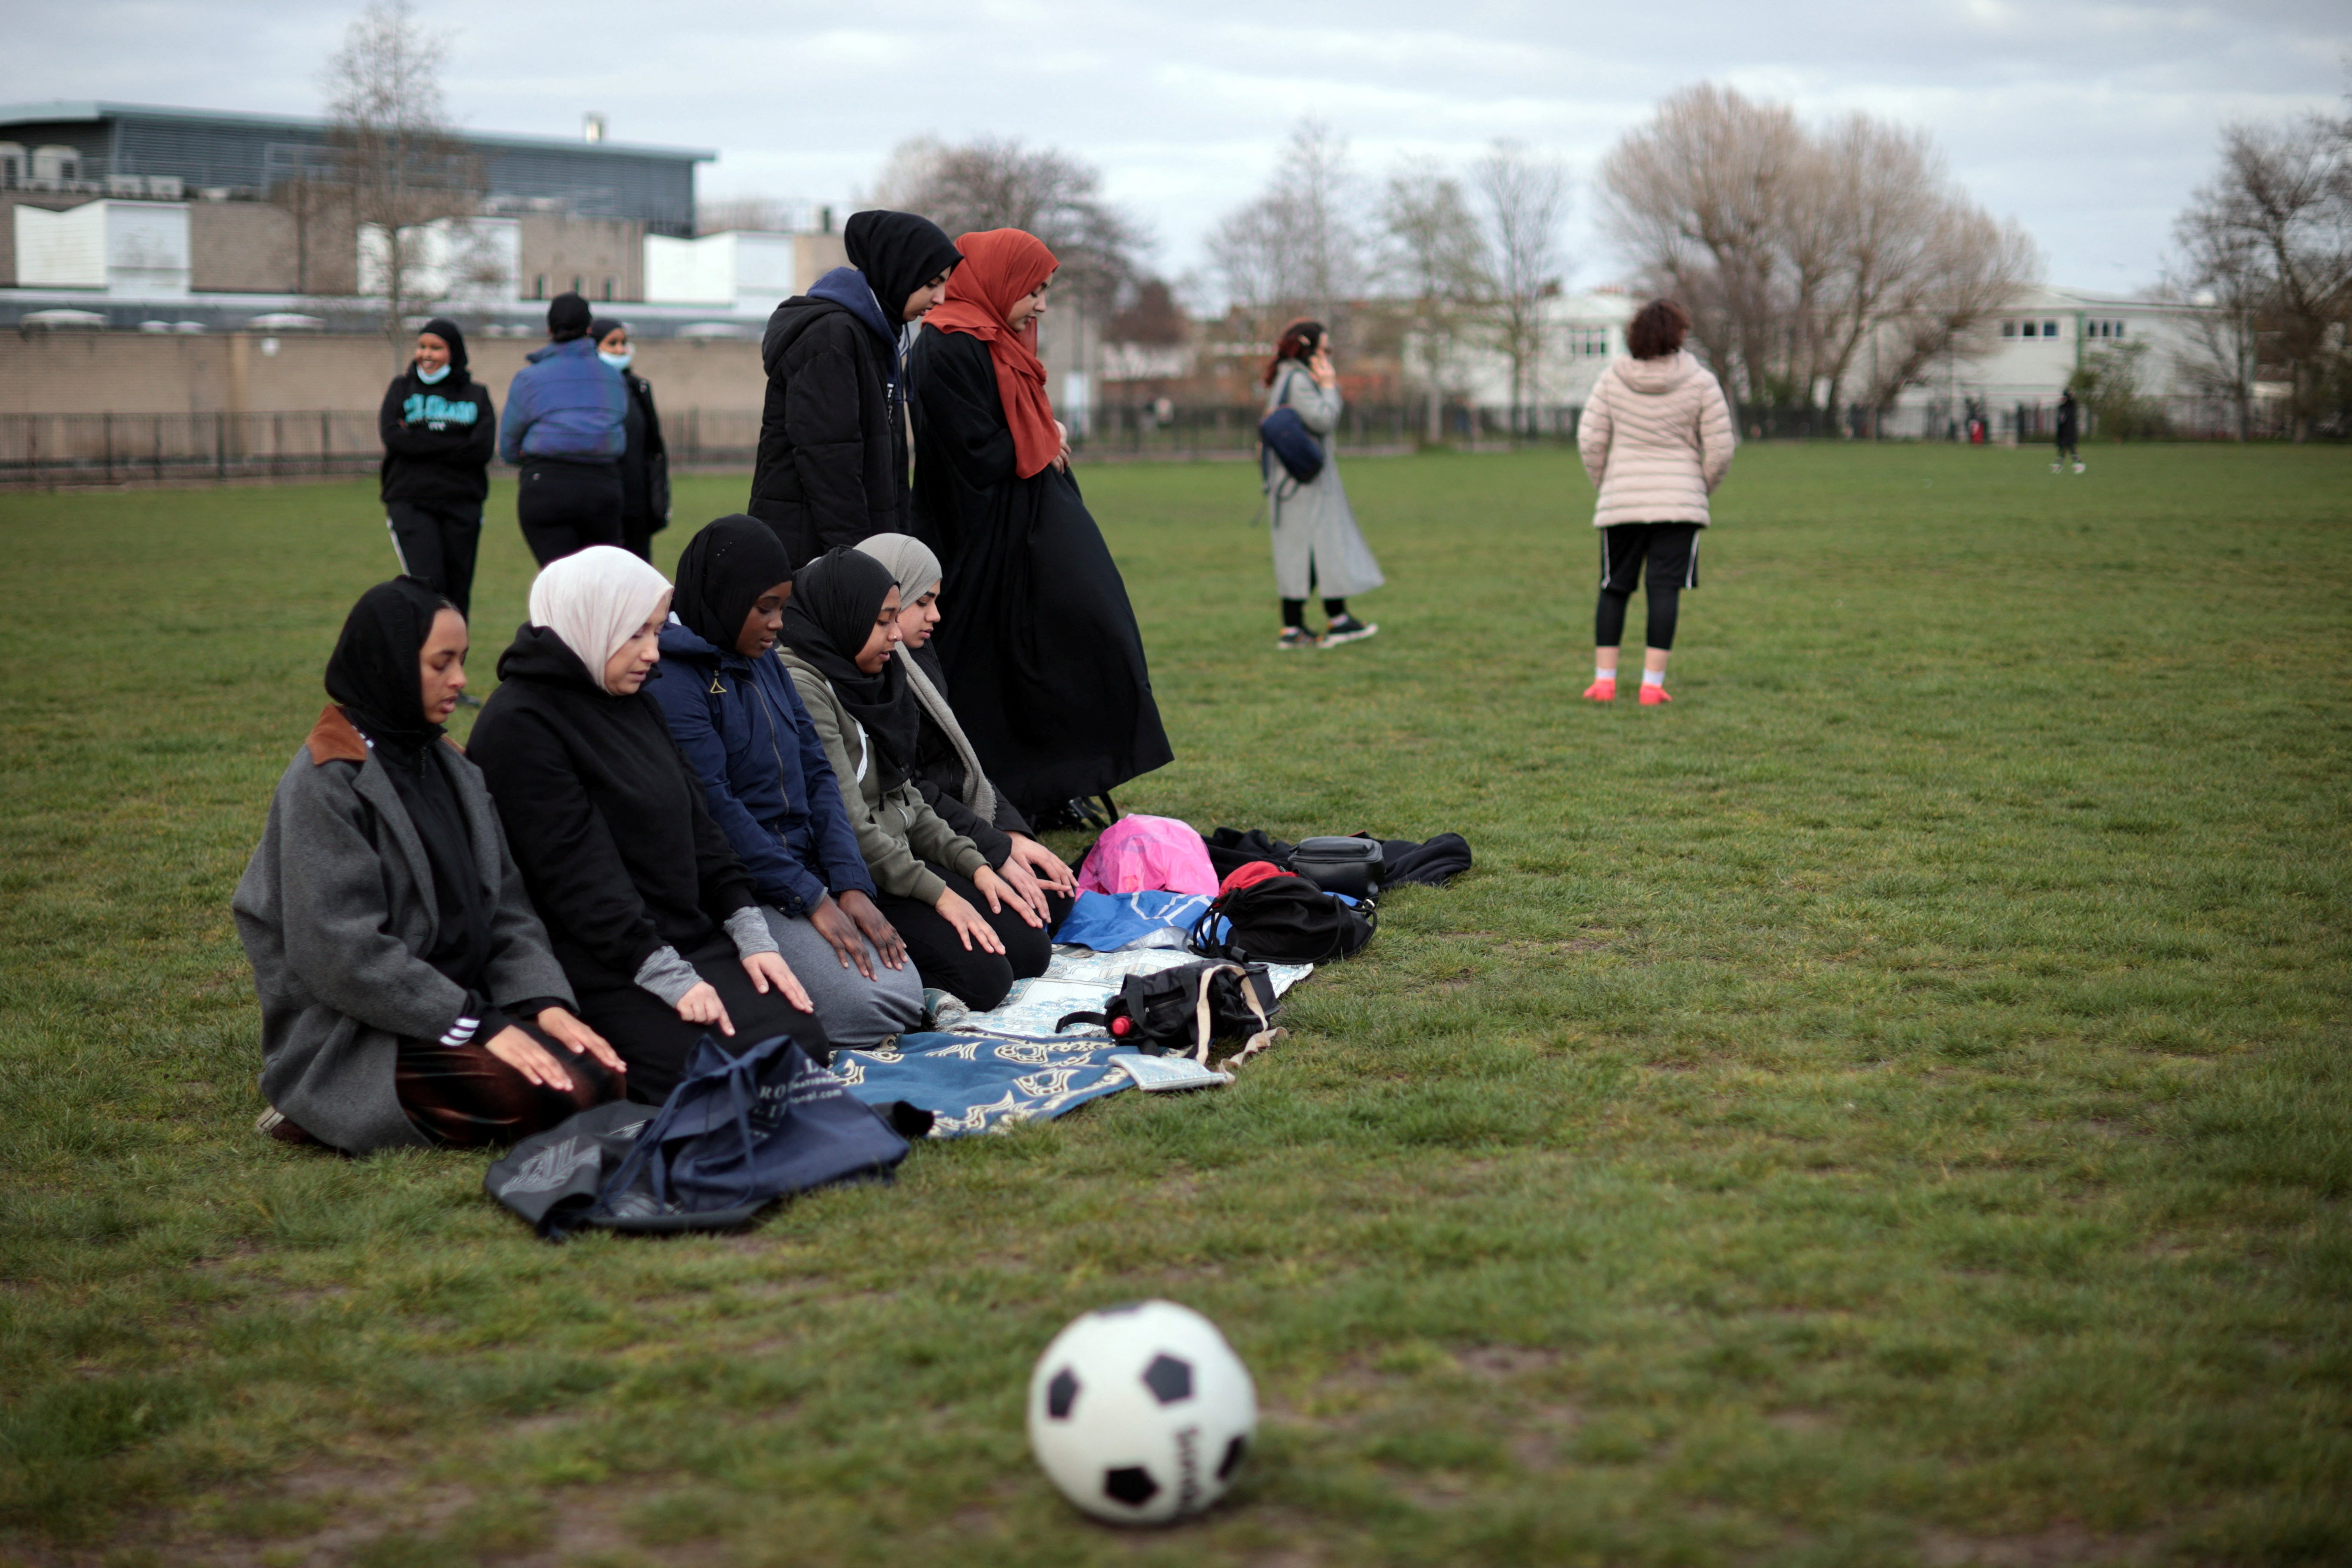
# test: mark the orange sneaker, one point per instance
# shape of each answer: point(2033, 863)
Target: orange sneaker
point(1654, 696)
point(1600, 691)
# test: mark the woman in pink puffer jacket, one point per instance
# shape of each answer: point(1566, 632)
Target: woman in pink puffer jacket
point(1657, 438)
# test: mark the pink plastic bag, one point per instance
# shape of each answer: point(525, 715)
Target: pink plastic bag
point(1148, 854)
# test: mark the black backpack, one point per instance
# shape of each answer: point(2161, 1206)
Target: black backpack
point(1283, 919)
point(1179, 1011)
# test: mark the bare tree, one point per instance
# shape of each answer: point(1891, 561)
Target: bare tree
point(1798, 253)
point(997, 183)
point(2271, 237)
point(1296, 248)
point(403, 165)
point(1435, 256)
point(1525, 201)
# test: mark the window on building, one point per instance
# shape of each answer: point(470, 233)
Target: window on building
point(2119, 327)
point(580, 285)
point(2009, 329)
point(2028, 329)
point(2049, 328)
point(539, 287)
point(608, 287)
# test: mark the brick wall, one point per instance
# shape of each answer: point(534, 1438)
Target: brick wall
point(128, 373)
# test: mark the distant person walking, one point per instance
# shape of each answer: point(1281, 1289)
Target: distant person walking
point(440, 429)
point(1657, 438)
point(1317, 547)
point(832, 469)
point(567, 426)
point(2070, 432)
point(645, 463)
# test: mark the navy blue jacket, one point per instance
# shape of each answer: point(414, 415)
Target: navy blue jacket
point(763, 768)
point(566, 403)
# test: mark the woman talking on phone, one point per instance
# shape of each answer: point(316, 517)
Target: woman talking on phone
point(1317, 546)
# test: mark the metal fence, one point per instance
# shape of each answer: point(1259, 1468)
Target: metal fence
point(126, 448)
point(119, 448)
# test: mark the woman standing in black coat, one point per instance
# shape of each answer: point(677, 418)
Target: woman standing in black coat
point(1040, 639)
point(645, 466)
point(832, 468)
point(652, 918)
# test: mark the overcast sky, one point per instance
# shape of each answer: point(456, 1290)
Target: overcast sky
point(2089, 121)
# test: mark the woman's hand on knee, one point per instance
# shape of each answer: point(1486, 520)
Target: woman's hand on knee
point(1024, 886)
point(702, 1006)
point(967, 923)
point(1044, 865)
point(841, 933)
point(997, 891)
point(877, 927)
point(529, 1058)
point(770, 971)
point(565, 1030)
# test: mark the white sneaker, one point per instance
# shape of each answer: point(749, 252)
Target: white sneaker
point(1346, 628)
point(2078, 467)
point(2055, 468)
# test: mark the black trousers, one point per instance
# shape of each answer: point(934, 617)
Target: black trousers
point(980, 978)
point(564, 508)
point(648, 1035)
point(438, 540)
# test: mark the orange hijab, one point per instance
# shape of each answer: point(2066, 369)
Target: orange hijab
point(1000, 265)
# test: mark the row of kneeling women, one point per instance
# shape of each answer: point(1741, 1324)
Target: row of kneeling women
point(743, 807)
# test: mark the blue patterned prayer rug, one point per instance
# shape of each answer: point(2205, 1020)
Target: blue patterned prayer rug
point(980, 1083)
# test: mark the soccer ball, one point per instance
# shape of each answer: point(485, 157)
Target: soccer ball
point(1141, 1414)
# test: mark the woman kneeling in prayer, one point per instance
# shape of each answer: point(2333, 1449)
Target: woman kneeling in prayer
point(840, 636)
point(649, 910)
point(408, 992)
point(947, 770)
point(733, 712)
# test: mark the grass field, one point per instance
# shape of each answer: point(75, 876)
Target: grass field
point(1890, 1106)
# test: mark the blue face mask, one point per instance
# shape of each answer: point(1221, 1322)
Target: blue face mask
point(432, 378)
point(619, 361)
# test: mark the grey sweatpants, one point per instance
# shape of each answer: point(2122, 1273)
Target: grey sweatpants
point(855, 1011)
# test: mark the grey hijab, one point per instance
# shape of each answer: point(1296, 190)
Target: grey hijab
point(911, 561)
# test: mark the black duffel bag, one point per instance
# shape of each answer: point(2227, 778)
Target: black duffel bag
point(1179, 1011)
point(1352, 866)
point(1282, 919)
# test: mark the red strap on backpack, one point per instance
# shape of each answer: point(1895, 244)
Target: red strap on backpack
point(1256, 872)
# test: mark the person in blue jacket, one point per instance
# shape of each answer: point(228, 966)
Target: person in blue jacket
point(567, 426)
point(734, 713)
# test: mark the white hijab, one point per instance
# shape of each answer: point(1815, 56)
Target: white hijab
point(596, 600)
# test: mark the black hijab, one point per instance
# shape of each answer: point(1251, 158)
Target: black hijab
point(835, 600)
point(721, 574)
point(899, 253)
point(444, 328)
point(374, 677)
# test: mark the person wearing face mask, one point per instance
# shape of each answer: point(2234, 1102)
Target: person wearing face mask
point(408, 993)
point(645, 464)
point(968, 933)
point(947, 769)
point(736, 716)
point(1050, 678)
point(649, 912)
point(440, 430)
point(567, 426)
point(832, 465)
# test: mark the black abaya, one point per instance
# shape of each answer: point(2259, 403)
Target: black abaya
point(1050, 681)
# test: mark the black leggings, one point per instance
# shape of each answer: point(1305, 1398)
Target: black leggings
point(978, 978)
point(1294, 611)
point(1609, 620)
point(564, 508)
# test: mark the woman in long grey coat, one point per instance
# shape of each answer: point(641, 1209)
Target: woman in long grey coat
point(1316, 545)
point(408, 993)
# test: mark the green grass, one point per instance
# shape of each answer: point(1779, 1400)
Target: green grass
point(1890, 1106)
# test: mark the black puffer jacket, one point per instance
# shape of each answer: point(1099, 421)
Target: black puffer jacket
point(645, 466)
point(606, 821)
point(832, 468)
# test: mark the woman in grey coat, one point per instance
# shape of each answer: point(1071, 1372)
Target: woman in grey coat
point(408, 994)
point(1316, 545)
